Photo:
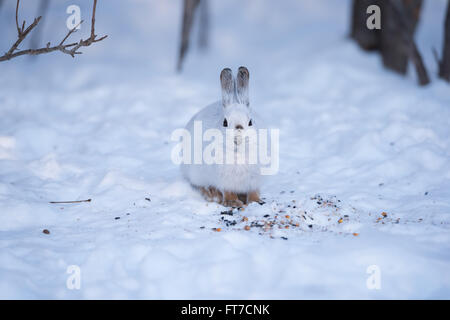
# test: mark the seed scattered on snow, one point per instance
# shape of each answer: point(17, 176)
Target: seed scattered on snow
point(45, 231)
point(356, 234)
point(285, 217)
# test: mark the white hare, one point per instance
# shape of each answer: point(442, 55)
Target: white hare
point(231, 184)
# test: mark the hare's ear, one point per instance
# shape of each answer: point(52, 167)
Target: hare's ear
point(227, 83)
point(242, 85)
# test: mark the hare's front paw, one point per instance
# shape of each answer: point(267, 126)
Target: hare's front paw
point(233, 203)
point(253, 196)
point(231, 199)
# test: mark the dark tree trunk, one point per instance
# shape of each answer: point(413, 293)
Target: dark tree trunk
point(190, 10)
point(366, 38)
point(399, 20)
point(204, 25)
point(188, 17)
point(444, 68)
point(395, 40)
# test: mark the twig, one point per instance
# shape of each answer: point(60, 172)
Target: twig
point(70, 49)
point(436, 56)
point(421, 71)
point(75, 201)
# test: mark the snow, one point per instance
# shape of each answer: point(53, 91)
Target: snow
point(355, 141)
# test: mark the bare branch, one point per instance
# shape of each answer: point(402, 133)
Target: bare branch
point(70, 49)
point(74, 29)
point(22, 34)
point(17, 20)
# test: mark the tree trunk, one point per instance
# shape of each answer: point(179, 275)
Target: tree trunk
point(444, 68)
point(366, 38)
point(398, 20)
point(203, 37)
point(395, 40)
point(188, 17)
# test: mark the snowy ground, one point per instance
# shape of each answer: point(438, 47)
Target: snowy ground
point(356, 141)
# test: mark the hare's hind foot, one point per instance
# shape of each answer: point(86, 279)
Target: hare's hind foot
point(231, 199)
point(211, 194)
point(228, 198)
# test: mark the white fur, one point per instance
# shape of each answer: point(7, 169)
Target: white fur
point(226, 177)
point(239, 178)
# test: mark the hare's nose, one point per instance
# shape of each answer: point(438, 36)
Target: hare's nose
point(239, 127)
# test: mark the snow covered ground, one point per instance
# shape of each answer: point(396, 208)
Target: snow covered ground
point(356, 141)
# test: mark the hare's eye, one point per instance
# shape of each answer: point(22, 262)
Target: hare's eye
point(250, 123)
point(225, 122)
